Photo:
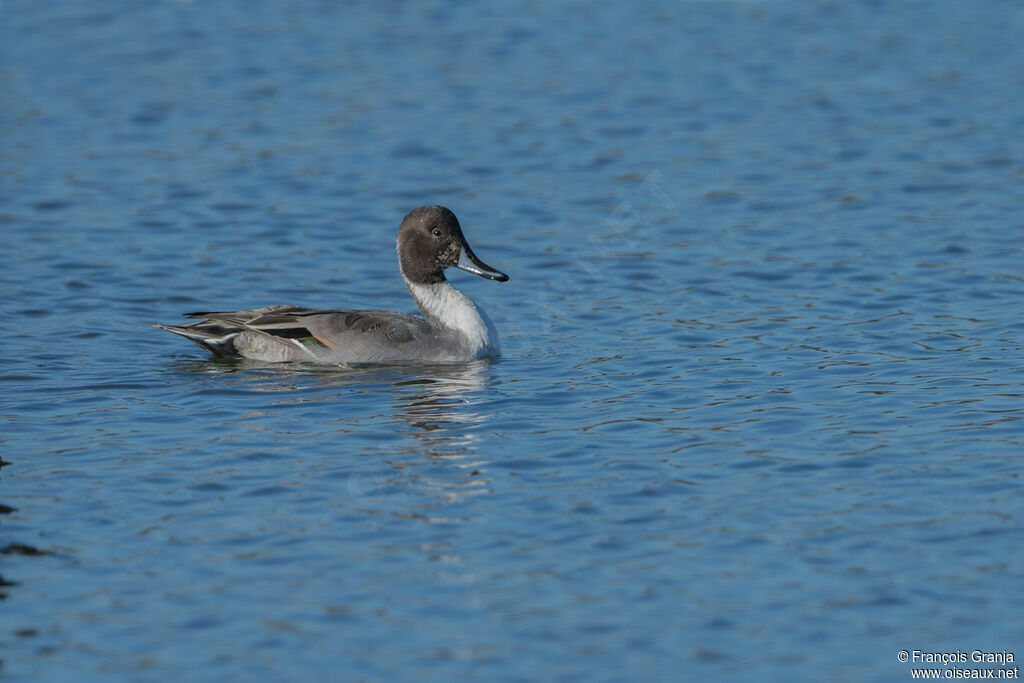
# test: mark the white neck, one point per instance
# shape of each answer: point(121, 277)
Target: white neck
point(445, 306)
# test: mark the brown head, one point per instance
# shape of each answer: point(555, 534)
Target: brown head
point(430, 239)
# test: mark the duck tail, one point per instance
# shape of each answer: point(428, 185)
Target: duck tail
point(219, 342)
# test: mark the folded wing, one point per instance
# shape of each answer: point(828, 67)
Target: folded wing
point(295, 333)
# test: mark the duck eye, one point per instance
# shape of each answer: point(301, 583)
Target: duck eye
point(437, 233)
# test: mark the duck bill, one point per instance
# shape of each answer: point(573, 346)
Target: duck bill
point(469, 262)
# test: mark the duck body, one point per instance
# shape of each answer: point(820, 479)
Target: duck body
point(451, 329)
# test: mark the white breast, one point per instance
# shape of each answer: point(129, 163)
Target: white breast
point(444, 306)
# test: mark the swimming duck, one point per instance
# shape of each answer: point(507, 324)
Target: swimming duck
point(451, 329)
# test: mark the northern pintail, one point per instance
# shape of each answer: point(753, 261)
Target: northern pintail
point(453, 328)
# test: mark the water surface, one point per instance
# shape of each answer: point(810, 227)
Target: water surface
point(759, 412)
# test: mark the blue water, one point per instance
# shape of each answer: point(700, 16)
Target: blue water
point(759, 414)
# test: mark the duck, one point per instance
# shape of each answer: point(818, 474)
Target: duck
point(452, 328)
